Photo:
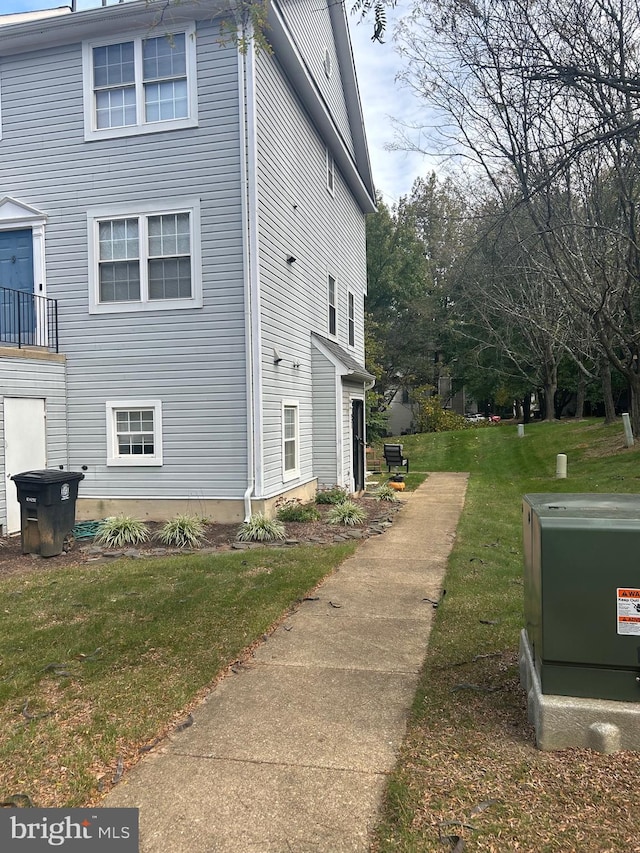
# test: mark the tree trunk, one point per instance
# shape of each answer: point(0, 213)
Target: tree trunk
point(607, 392)
point(580, 396)
point(634, 388)
point(526, 409)
point(549, 390)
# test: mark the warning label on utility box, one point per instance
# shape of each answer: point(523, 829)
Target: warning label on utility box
point(629, 611)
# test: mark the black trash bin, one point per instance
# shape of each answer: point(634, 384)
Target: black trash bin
point(47, 509)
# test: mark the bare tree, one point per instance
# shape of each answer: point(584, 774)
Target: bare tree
point(543, 98)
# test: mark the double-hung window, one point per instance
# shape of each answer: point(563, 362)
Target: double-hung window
point(351, 319)
point(332, 321)
point(145, 257)
point(331, 173)
point(140, 85)
point(290, 440)
point(134, 432)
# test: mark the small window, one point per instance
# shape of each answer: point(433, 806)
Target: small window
point(134, 432)
point(327, 64)
point(144, 258)
point(332, 306)
point(290, 440)
point(352, 321)
point(331, 177)
point(140, 85)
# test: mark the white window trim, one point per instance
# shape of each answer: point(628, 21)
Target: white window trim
point(174, 205)
point(92, 132)
point(112, 406)
point(333, 305)
point(351, 318)
point(294, 473)
point(331, 174)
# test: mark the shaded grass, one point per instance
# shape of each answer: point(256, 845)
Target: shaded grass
point(469, 756)
point(97, 660)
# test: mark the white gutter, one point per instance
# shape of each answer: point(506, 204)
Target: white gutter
point(246, 72)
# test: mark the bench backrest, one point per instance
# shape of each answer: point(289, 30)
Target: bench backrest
point(393, 454)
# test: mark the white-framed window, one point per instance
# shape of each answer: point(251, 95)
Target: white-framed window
point(332, 297)
point(144, 257)
point(134, 432)
point(290, 440)
point(140, 85)
point(331, 173)
point(351, 319)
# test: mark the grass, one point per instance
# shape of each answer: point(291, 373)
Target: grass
point(469, 757)
point(98, 660)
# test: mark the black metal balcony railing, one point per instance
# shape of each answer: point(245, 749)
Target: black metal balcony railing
point(27, 320)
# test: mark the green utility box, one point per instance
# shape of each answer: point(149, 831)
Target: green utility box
point(47, 509)
point(582, 593)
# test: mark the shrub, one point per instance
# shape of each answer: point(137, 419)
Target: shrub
point(336, 495)
point(183, 531)
point(259, 528)
point(347, 513)
point(385, 493)
point(296, 511)
point(431, 417)
point(121, 530)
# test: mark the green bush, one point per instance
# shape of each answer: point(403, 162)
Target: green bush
point(336, 495)
point(183, 531)
point(121, 530)
point(259, 528)
point(347, 513)
point(296, 511)
point(431, 417)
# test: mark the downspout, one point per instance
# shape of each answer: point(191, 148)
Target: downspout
point(246, 72)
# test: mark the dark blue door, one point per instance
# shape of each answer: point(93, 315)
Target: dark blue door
point(17, 312)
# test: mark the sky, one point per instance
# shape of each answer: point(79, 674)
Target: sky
point(385, 102)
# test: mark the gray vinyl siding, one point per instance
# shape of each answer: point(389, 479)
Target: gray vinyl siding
point(325, 450)
point(193, 360)
point(45, 380)
point(350, 391)
point(310, 26)
point(298, 217)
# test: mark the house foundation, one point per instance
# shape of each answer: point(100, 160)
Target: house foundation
point(163, 509)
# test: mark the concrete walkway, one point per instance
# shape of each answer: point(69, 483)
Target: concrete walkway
point(293, 753)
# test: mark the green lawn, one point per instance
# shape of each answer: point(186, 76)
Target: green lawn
point(469, 758)
point(100, 659)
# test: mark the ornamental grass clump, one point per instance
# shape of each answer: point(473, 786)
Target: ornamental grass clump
point(385, 493)
point(259, 528)
point(183, 531)
point(121, 530)
point(347, 512)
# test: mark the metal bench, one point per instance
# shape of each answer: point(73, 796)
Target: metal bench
point(393, 457)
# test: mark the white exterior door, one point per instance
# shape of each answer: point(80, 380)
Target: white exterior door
point(25, 447)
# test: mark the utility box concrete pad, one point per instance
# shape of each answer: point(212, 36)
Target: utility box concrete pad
point(582, 593)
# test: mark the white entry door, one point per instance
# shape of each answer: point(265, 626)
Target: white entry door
point(25, 447)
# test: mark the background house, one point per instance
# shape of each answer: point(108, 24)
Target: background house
point(186, 224)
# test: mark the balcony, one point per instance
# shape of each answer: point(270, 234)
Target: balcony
point(27, 320)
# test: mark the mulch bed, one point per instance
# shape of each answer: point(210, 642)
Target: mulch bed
point(219, 537)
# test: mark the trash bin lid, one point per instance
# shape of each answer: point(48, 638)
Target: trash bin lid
point(47, 475)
